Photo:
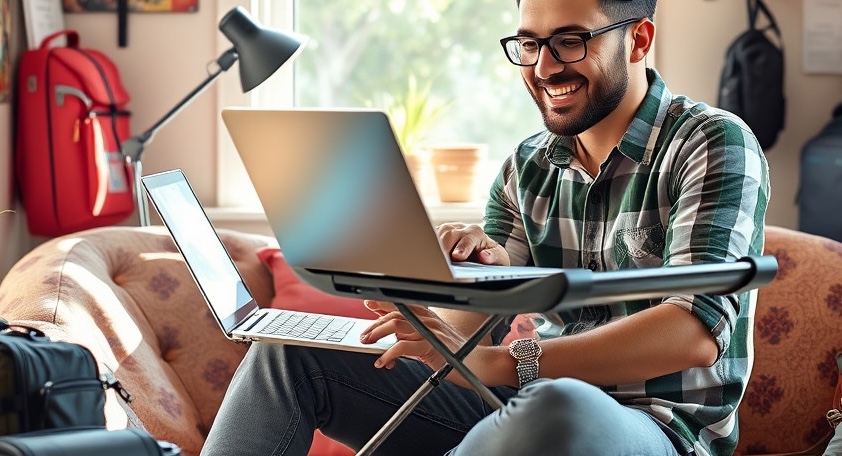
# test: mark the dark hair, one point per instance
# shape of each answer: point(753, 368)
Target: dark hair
point(618, 10)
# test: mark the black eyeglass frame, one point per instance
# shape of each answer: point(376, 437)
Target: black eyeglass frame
point(584, 36)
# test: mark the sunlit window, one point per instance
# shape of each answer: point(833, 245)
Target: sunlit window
point(368, 53)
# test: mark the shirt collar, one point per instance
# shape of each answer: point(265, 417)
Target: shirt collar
point(641, 139)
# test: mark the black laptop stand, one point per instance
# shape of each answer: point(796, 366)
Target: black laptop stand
point(549, 295)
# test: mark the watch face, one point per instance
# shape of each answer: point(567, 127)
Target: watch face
point(525, 349)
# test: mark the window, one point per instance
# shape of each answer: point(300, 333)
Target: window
point(363, 52)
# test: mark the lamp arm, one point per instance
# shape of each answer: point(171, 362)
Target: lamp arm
point(132, 148)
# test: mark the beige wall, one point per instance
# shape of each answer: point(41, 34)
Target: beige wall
point(691, 65)
point(167, 55)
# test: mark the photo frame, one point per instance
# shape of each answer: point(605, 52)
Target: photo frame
point(5, 50)
point(135, 6)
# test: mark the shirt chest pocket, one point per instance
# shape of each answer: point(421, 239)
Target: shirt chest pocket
point(641, 247)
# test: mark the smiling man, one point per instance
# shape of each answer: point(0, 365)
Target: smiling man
point(626, 175)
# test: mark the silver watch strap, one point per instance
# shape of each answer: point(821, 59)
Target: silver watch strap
point(527, 370)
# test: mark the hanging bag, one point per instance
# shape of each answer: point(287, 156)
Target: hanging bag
point(752, 80)
point(71, 124)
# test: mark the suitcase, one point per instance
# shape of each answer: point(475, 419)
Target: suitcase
point(88, 442)
point(71, 122)
point(46, 384)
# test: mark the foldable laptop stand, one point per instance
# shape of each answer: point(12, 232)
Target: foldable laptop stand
point(570, 289)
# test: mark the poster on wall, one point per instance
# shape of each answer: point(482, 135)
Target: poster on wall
point(822, 35)
point(5, 58)
point(135, 6)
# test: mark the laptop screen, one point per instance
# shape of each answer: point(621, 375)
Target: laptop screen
point(206, 256)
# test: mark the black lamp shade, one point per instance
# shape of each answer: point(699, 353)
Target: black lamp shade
point(261, 51)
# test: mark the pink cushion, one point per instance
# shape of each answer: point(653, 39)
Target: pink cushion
point(292, 293)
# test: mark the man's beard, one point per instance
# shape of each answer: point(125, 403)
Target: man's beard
point(607, 95)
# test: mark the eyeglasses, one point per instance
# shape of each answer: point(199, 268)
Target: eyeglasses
point(567, 47)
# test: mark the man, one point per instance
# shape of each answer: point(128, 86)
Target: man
point(626, 176)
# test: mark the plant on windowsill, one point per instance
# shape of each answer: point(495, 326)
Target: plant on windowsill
point(413, 114)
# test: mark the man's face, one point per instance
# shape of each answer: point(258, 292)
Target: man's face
point(573, 97)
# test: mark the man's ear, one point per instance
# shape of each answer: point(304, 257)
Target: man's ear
point(643, 35)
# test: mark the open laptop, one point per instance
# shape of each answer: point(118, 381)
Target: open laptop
point(338, 196)
point(223, 288)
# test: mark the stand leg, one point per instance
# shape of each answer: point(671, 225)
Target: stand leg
point(456, 360)
point(140, 196)
point(433, 381)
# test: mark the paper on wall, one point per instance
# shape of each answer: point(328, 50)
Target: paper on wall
point(42, 18)
point(823, 36)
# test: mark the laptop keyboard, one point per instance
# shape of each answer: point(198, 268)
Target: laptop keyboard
point(308, 326)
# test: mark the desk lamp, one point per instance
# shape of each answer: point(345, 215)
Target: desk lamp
point(261, 52)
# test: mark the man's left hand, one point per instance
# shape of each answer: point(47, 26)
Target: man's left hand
point(410, 343)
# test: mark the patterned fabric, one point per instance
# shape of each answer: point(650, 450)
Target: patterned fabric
point(687, 184)
point(126, 294)
point(797, 335)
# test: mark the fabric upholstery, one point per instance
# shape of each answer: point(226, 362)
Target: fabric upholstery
point(797, 335)
point(126, 294)
point(292, 293)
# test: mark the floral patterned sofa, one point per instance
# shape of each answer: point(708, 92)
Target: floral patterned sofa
point(125, 293)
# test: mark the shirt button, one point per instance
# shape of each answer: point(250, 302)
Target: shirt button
point(592, 265)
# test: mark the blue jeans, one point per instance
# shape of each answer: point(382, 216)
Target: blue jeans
point(281, 394)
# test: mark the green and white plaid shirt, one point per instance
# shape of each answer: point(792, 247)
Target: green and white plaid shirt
point(688, 183)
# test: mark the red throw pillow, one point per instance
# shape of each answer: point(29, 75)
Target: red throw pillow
point(291, 293)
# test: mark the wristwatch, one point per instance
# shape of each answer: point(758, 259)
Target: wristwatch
point(526, 352)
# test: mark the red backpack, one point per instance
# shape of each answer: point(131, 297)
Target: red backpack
point(71, 121)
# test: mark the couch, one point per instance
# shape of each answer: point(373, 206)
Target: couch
point(125, 293)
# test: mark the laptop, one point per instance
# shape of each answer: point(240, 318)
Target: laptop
point(339, 197)
point(222, 286)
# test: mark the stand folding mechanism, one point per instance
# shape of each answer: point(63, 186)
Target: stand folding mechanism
point(570, 289)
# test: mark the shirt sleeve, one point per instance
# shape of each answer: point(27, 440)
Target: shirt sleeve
point(720, 185)
point(503, 221)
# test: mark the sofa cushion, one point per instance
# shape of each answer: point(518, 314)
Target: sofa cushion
point(126, 294)
point(291, 293)
point(796, 337)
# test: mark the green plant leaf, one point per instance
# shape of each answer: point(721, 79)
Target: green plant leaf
point(412, 113)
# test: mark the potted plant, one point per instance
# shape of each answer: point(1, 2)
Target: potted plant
point(458, 170)
point(413, 114)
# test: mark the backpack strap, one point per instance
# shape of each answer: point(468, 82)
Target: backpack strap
point(751, 6)
point(761, 7)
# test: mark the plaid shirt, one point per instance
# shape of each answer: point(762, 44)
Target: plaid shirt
point(688, 183)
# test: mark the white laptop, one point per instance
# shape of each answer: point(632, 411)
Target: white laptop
point(338, 195)
point(223, 288)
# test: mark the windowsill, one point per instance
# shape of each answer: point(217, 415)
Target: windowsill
point(470, 212)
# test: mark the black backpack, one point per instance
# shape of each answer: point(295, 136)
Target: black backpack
point(819, 197)
point(752, 80)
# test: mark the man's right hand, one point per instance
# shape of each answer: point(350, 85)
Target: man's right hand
point(470, 243)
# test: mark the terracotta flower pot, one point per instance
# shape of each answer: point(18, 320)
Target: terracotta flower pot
point(418, 163)
point(458, 169)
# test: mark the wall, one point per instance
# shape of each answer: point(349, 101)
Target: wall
point(13, 238)
point(167, 55)
point(691, 65)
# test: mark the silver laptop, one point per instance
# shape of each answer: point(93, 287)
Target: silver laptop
point(223, 288)
point(338, 195)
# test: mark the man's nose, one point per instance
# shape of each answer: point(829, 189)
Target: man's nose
point(547, 65)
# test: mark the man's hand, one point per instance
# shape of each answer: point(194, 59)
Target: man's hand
point(470, 243)
point(410, 343)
